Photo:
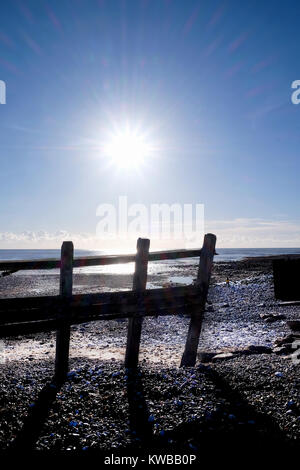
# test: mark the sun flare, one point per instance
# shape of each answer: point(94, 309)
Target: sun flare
point(127, 149)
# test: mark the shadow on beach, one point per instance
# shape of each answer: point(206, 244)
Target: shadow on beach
point(248, 429)
point(34, 422)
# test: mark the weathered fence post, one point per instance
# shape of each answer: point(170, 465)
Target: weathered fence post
point(63, 333)
point(135, 323)
point(204, 272)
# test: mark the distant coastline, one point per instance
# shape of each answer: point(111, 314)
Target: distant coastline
point(224, 254)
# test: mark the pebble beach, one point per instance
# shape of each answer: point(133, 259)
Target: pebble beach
point(245, 385)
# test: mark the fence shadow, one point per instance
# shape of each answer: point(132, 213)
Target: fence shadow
point(213, 430)
point(141, 426)
point(247, 429)
point(34, 422)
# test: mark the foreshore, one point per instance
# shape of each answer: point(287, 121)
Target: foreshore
point(251, 391)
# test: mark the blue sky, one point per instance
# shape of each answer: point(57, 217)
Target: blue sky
point(209, 82)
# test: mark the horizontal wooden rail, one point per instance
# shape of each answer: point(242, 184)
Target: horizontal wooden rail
point(95, 313)
point(13, 311)
point(55, 301)
point(104, 260)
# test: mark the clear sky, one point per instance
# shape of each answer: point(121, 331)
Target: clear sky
point(207, 82)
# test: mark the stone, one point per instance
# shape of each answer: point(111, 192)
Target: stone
point(223, 356)
point(278, 374)
point(209, 308)
point(205, 356)
point(272, 317)
point(280, 350)
point(294, 325)
point(256, 349)
point(287, 339)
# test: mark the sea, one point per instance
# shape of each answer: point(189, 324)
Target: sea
point(223, 254)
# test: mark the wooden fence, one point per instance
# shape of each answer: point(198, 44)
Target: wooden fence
point(19, 316)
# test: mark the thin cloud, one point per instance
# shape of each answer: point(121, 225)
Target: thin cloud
point(234, 233)
point(251, 232)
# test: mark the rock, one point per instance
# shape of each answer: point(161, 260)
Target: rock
point(287, 339)
point(275, 318)
point(272, 317)
point(291, 404)
point(73, 423)
point(209, 308)
point(278, 374)
point(252, 349)
point(205, 356)
point(281, 350)
point(71, 374)
point(294, 325)
point(256, 349)
point(223, 356)
point(280, 316)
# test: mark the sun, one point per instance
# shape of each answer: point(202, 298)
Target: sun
point(127, 149)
